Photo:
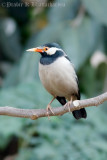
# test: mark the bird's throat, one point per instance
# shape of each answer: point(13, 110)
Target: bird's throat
point(46, 60)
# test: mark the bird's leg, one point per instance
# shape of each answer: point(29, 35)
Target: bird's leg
point(49, 107)
point(68, 104)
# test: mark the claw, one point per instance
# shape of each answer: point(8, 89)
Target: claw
point(68, 104)
point(49, 108)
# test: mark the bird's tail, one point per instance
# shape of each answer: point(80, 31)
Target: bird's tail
point(80, 113)
point(77, 113)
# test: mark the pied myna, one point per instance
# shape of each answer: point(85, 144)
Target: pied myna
point(58, 76)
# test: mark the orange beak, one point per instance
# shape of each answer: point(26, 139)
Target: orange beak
point(35, 50)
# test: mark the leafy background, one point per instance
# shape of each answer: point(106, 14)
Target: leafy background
point(80, 27)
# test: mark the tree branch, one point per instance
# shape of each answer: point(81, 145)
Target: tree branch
point(37, 113)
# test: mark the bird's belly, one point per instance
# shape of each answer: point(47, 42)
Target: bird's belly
point(57, 82)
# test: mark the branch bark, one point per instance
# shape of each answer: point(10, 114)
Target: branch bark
point(37, 113)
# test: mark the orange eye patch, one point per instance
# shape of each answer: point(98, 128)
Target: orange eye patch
point(45, 48)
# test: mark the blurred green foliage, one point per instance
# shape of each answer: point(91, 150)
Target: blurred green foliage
point(80, 27)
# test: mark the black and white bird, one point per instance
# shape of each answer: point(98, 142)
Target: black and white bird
point(58, 76)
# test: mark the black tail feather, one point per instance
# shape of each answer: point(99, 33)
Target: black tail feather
point(78, 113)
point(83, 112)
point(62, 100)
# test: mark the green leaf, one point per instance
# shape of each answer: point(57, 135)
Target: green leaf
point(25, 154)
point(79, 42)
point(9, 127)
point(9, 80)
point(10, 39)
point(97, 9)
point(90, 78)
point(65, 12)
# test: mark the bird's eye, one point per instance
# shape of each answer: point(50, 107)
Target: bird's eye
point(45, 48)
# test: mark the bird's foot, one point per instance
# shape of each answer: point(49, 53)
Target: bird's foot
point(68, 104)
point(49, 108)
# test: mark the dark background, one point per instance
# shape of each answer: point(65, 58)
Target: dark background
point(80, 27)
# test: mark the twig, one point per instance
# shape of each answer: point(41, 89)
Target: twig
point(37, 113)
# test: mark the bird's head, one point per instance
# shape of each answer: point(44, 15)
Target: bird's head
point(48, 50)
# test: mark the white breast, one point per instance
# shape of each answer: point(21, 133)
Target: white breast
point(59, 78)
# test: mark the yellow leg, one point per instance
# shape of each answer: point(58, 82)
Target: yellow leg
point(49, 107)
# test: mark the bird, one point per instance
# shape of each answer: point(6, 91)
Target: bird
point(58, 76)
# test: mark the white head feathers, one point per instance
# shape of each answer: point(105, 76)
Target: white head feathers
point(53, 50)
